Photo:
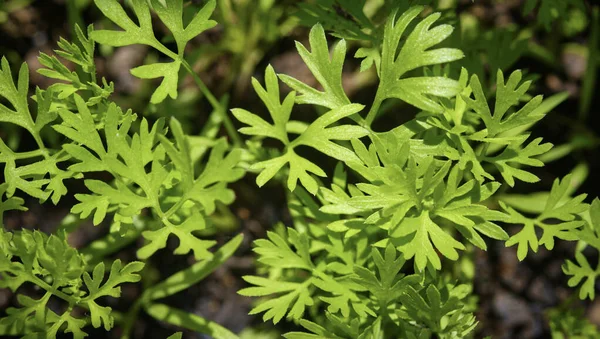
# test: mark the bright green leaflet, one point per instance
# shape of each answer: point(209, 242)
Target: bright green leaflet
point(170, 13)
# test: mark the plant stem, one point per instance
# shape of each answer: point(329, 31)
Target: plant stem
point(74, 16)
point(130, 317)
point(231, 131)
point(589, 79)
point(50, 289)
point(374, 108)
point(174, 208)
point(29, 154)
point(40, 144)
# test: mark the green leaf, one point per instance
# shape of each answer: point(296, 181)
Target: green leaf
point(56, 70)
point(277, 253)
point(82, 56)
point(39, 259)
point(81, 128)
point(170, 74)
point(40, 179)
point(412, 203)
point(171, 15)
point(279, 111)
point(189, 321)
point(568, 321)
point(581, 271)
point(549, 10)
point(344, 17)
point(391, 283)
point(443, 312)
point(16, 96)
point(558, 207)
point(157, 239)
point(328, 71)
point(504, 130)
point(417, 91)
point(319, 137)
point(118, 275)
point(507, 162)
point(421, 234)
point(132, 34)
point(193, 274)
point(320, 332)
point(11, 203)
point(316, 135)
point(507, 95)
point(176, 335)
point(342, 296)
point(211, 185)
point(397, 60)
point(180, 152)
point(125, 158)
point(295, 298)
point(300, 169)
point(32, 313)
point(502, 47)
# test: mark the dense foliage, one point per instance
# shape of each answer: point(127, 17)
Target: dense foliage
point(385, 213)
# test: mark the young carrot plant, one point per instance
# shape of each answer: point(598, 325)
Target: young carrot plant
point(382, 215)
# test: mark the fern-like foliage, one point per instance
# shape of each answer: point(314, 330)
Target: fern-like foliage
point(371, 243)
point(423, 191)
point(569, 322)
point(559, 219)
point(316, 135)
point(149, 168)
point(52, 264)
point(346, 19)
point(548, 11)
point(85, 83)
point(581, 271)
point(395, 63)
point(415, 215)
point(171, 15)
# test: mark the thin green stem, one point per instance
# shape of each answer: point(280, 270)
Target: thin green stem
point(61, 320)
point(30, 154)
point(93, 74)
point(164, 218)
point(129, 319)
point(174, 208)
point(374, 108)
point(483, 150)
point(231, 131)
point(40, 144)
point(73, 15)
point(589, 80)
point(70, 299)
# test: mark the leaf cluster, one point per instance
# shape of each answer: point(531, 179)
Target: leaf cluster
point(60, 271)
point(149, 169)
point(421, 192)
point(373, 242)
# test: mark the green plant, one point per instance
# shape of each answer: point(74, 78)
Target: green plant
point(384, 219)
point(151, 167)
point(424, 190)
